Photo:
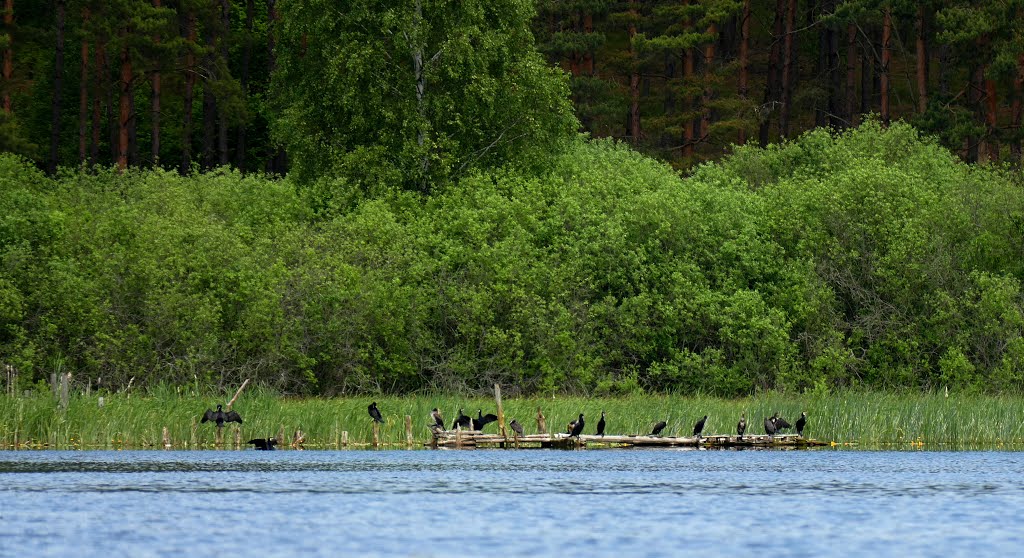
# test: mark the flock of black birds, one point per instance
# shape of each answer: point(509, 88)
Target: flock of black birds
point(773, 425)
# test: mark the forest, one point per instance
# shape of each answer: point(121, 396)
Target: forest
point(715, 196)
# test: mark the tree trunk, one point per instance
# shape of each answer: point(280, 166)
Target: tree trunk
point(669, 104)
point(83, 94)
point(744, 61)
point(772, 86)
point(124, 114)
point(977, 79)
point(277, 162)
point(8, 68)
point(851, 74)
point(922, 60)
point(209, 101)
point(634, 78)
point(222, 121)
point(190, 83)
point(588, 55)
point(58, 90)
point(991, 139)
point(709, 62)
point(155, 108)
point(835, 78)
point(246, 55)
point(886, 59)
point(1016, 111)
point(787, 69)
point(867, 70)
point(688, 127)
point(97, 106)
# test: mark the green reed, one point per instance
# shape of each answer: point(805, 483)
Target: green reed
point(862, 419)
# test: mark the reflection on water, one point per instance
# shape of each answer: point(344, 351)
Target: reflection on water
point(509, 503)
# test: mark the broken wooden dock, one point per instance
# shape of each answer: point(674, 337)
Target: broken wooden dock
point(478, 439)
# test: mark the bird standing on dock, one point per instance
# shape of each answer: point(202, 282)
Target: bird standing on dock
point(438, 419)
point(600, 426)
point(220, 417)
point(462, 421)
point(741, 426)
point(658, 428)
point(483, 420)
point(801, 423)
point(780, 423)
point(261, 444)
point(374, 412)
point(578, 428)
point(699, 427)
point(516, 427)
point(769, 426)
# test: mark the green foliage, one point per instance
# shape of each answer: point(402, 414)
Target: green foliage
point(870, 258)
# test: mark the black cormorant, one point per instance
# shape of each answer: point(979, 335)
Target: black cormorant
point(483, 420)
point(374, 412)
point(658, 428)
point(438, 419)
point(262, 444)
point(462, 421)
point(578, 428)
point(780, 423)
point(769, 426)
point(516, 427)
point(699, 427)
point(741, 426)
point(220, 417)
point(600, 425)
point(569, 427)
point(801, 423)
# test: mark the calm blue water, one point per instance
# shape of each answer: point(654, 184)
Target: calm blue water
point(511, 503)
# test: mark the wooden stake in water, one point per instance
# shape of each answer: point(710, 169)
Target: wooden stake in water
point(501, 412)
point(408, 430)
point(344, 438)
point(458, 435)
point(237, 393)
point(167, 438)
point(65, 379)
point(238, 437)
point(542, 427)
point(376, 434)
point(281, 436)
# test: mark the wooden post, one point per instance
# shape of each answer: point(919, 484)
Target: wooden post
point(64, 380)
point(239, 392)
point(280, 436)
point(219, 438)
point(458, 435)
point(238, 437)
point(501, 412)
point(192, 435)
point(542, 427)
point(408, 430)
point(344, 438)
point(376, 434)
point(53, 383)
point(167, 438)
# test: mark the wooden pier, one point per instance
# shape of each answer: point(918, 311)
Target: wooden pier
point(477, 439)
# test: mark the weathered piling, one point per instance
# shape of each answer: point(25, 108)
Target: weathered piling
point(501, 412)
point(166, 438)
point(344, 438)
point(408, 430)
point(376, 434)
point(542, 427)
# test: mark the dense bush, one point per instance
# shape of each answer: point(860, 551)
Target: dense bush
point(870, 258)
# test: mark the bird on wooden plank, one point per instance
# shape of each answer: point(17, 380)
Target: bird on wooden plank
point(516, 427)
point(699, 427)
point(374, 412)
point(483, 420)
point(220, 417)
point(438, 419)
point(658, 428)
point(600, 426)
point(769, 426)
point(801, 423)
point(780, 423)
point(570, 426)
point(741, 426)
point(261, 444)
point(462, 421)
point(578, 428)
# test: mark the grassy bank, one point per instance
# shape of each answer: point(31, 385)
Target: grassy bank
point(863, 419)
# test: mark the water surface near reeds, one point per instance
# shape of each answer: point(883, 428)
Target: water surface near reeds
point(510, 503)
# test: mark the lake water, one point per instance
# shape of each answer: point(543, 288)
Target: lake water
point(499, 503)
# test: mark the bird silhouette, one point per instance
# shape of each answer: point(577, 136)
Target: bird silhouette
point(374, 412)
point(658, 428)
point(462, 421)
point(769, 426)
point(438, 419)
point(699, 427)
point(801, 423)
point(741, 426)
point(483, 420)
point(516, 427)
point(578, 428)
point(261, 444)
point(600, 426)
point(220, 417)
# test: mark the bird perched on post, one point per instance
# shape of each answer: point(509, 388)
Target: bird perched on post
point(801, 423)
point(462, 421)
point(483, 420)
point(699, 427)
point(578, 428)
point(741, 426)
point(374, 412)
point(516, 427)
point(658, 428)
point(600, 426)
point(438, 419)
point(261, 444)
point(220, 417)
point(769, 426)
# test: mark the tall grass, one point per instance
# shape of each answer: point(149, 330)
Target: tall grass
point(864, 419)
